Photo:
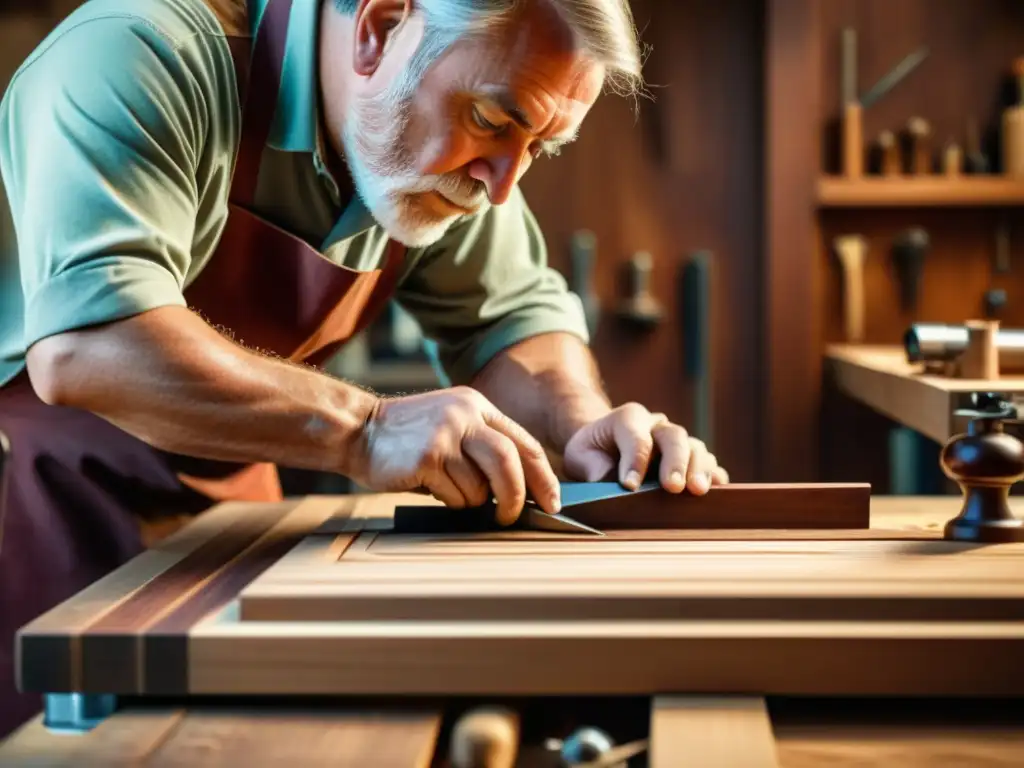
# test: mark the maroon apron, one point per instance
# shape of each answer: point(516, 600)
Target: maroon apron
point(80, 491)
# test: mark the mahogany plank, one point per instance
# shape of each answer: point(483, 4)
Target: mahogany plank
point(739, 505)
point(711, 731)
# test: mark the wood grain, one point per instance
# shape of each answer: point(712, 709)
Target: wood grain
point(387, 578)
point(713, 732)
point(737, 505)
point(339, 737)
point(926, 658)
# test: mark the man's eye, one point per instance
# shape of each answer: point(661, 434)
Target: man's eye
point(483, 122)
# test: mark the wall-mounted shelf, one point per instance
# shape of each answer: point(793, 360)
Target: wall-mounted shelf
point(913, 191)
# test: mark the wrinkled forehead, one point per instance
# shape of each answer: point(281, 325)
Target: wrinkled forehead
point(533, 62)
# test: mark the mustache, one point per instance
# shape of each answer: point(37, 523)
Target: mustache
point(465, 192)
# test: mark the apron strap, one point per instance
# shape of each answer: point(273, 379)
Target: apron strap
point(263, 68)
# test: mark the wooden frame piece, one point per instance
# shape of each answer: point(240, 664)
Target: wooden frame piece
point(815, 506)
point(711, 731)
point(192, 640)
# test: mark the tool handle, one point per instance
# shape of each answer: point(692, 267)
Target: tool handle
point(696, 311)
point(485, 737)
point(851, 250)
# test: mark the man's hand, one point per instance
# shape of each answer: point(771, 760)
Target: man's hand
point(458, 446)
point(626, 438)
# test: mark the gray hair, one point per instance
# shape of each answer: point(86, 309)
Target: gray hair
point(603, 28)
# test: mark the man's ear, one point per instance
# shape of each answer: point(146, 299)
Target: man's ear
point(375, 22)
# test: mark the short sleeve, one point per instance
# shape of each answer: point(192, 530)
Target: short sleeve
point(487, 285)
point(98, 145)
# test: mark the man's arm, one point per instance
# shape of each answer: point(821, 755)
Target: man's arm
point(548, 383)
point(171, 380)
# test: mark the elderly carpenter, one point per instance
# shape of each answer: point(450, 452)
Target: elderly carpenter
point(211, 197)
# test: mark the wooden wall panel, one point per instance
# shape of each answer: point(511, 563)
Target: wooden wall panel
point(790, 323)
point(682, 174)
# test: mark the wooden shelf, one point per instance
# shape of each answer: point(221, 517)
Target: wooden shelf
point(913, 191)
point(881, 378)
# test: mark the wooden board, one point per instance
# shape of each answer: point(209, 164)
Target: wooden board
point(881, 378)
point(787, 614)
point(762, 506)
point(723, 731)
point(334, 736)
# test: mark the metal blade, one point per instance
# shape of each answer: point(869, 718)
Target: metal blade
point(894, 77)
point(573, 494)
point(538, 520)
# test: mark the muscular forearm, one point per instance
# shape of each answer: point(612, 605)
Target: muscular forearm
point(549, 384)
point(171, 380)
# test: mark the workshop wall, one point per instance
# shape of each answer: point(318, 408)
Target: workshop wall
point(965, 79)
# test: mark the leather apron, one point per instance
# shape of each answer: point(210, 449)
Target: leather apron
point(81, 491)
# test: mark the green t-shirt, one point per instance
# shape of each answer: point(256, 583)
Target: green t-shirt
point(117, 139)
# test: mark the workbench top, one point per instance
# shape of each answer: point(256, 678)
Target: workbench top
point(203, 683)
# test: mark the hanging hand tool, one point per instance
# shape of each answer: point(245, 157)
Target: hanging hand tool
point(584, 261)
point(852, 251)
point(1001, 263)
point(485, 737)
point(640, 307)
point(995, 302)
point(908, 252)
point(696, 313)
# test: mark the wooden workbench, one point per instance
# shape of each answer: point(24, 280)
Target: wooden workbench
point(202, 684)
point(881, 378)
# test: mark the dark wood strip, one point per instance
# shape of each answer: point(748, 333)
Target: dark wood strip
point(164, 643)
point(109, 655)
point(792, 506)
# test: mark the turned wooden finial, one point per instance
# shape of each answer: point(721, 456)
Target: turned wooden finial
point(985, 462)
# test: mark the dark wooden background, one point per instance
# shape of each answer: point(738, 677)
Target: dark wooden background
point(725, 158)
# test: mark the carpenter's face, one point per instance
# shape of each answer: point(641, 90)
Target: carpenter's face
point(466, 133)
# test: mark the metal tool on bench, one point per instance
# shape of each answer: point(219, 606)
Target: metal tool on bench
point(434, 519)
point(938, 344)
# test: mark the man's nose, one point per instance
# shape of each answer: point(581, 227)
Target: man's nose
point(500, 173)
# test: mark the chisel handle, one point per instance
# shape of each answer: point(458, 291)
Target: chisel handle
point(486, 737)
point(696, 312)
point(851, 251)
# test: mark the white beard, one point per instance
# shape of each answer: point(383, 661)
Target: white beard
point(384, 175)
